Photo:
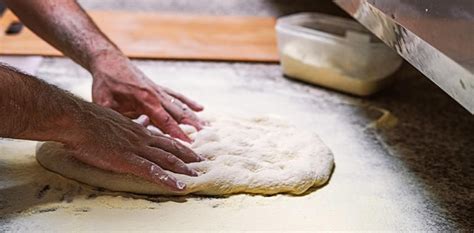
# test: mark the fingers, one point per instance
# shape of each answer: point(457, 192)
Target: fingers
point(160, 118)
point(182, 114)
point(153, 130)
point(146, 169)
point(179, 150)
point(142, 120)
point(190, 103)
point(168, 161)
point(132, 164)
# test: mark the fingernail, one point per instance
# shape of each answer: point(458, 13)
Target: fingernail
point(198, 126)
point(198, 106)
point(180, 185)
point(201, 158)
point(194, 173)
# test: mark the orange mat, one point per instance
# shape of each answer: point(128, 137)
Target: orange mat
point(166, 36)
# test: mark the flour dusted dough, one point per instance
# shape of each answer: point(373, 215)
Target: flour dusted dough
point(261, 155)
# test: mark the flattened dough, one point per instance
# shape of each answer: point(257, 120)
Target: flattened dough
point(260, 155)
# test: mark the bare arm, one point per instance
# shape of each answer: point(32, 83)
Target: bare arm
point(118, 84)
point(31, 109)
point(34, 110)
point(64, 25)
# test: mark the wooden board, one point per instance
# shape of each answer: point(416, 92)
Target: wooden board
point(166, 36)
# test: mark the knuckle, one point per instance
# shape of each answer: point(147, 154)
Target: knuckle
point(136, 166)
point(189, 117)
point(175, 145)
point(154, 170)
point(173, 128)
point(157, 173)
point(163, 117)
point(171, 159)
point(148, 95)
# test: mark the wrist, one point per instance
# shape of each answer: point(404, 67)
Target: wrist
point(68, 126)
point(77, 125)
point(106, 59)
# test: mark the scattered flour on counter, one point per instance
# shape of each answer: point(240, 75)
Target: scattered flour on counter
point(260, 155)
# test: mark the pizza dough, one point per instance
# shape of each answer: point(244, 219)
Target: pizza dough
point(260, 155)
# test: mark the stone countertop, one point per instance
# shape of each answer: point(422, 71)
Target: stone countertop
point(413, 172)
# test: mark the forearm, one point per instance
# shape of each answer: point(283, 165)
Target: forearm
point(118, 84)
point(34, 110)
point(64, 25)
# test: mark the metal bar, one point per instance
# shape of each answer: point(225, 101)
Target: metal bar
point(435, 36)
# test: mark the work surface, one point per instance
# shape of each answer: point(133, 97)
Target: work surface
point(412, 169)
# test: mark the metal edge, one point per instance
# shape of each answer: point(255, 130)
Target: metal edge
point(451, 77)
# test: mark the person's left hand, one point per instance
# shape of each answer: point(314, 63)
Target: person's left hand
point(121, 86)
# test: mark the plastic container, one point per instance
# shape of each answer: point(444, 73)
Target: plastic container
point(334, 52)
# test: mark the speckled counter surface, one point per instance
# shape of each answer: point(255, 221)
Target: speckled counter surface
point(426, 158)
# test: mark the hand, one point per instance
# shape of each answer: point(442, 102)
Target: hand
point(105, 139)
point(31, 109)
point(119, 85)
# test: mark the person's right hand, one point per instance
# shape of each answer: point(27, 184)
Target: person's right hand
point(110, 141)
